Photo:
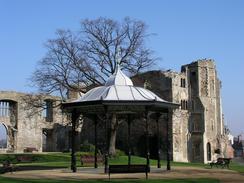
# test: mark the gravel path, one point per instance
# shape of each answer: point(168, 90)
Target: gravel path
point(225, 176)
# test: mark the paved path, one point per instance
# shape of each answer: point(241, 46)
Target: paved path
point(225, 176)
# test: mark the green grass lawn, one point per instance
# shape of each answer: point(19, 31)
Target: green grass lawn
point(43, 159)
point(141, 160)
point(63, 160)
point(236, 167)
point(47, 157)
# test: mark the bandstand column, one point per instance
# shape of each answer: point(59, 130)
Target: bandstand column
point(95, 139)
point(129, 138)
point(158, 134)
point(75, 118)
point(168, 142)
point(107, 140)
point(147, 139)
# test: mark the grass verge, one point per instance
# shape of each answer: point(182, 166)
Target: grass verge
point(63, 160)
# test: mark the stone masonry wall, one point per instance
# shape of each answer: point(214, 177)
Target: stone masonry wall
point(30, 124)
point(207, 104)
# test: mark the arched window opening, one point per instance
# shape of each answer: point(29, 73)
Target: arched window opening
point(8, 109)
point(3, 136)
point(209, 151)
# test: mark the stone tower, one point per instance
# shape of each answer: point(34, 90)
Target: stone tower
point(206, 128)
point(197, 126)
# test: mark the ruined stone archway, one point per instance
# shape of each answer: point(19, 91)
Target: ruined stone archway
point(8, 112)
point(8, 117)
point(3, 136)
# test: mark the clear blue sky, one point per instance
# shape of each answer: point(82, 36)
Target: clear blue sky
point(186, 31)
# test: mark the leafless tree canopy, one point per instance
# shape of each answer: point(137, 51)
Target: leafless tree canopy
point(75, 60)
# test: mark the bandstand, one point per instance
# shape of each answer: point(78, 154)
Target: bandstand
point(119, 97)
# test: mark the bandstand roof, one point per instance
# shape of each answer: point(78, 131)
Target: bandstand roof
point(118, 94)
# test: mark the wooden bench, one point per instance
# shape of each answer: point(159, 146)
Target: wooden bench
point(24, 159)
point(135, 168)
point(7, 167)
point(222, 162)
point(30, 149)
point(89, 159)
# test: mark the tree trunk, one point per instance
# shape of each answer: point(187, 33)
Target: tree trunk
point(113, 132)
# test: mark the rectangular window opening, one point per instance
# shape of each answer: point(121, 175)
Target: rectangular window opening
point(48, 110)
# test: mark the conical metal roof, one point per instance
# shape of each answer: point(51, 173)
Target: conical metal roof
point(119, 87)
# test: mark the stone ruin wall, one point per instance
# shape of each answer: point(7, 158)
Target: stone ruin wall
point(167, 85)
point(28, 129)
point(180, 118)
point(210, 98)
point(208, 105)
point(204, 110)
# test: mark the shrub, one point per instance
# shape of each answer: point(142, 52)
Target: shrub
point(87, 147)
point(120, 153)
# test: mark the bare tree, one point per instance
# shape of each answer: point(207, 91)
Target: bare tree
point(77, 60)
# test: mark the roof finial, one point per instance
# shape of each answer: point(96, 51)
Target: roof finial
point(118, 77)
point(118, 57)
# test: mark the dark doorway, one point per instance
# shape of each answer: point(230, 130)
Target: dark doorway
point(47, 140)
point(196, 152)
point(209, 151)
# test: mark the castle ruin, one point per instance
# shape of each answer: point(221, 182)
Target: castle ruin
point(197, 127)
